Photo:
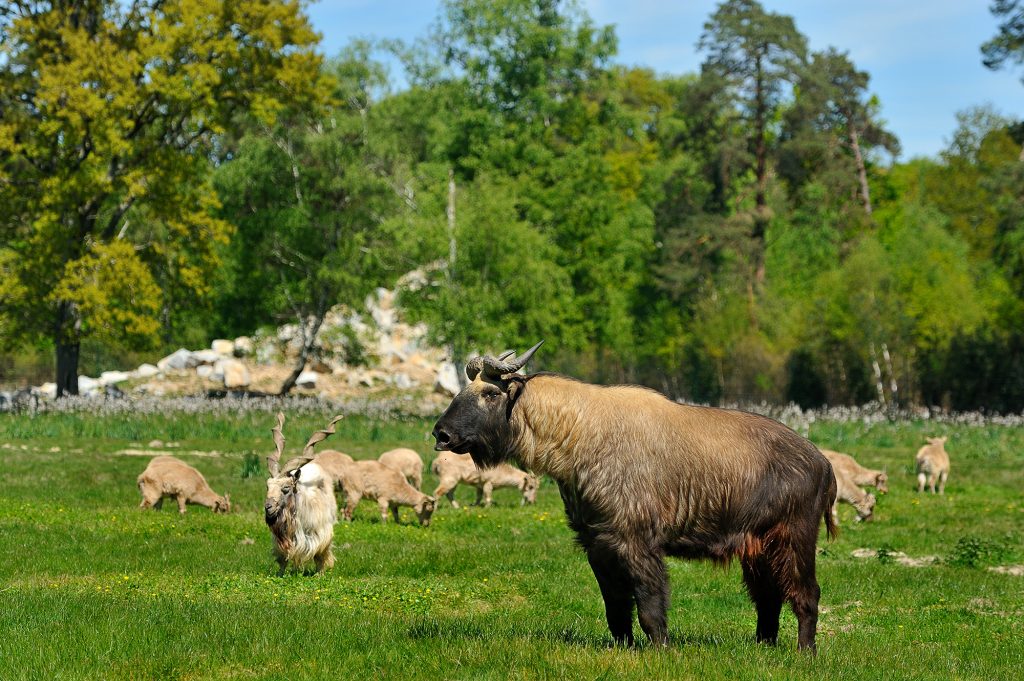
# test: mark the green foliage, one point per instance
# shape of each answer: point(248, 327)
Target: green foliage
point(972, 552)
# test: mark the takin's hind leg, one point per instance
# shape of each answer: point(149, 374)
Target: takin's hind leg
point(617, 591)
point(767, 595)
point(803, 591)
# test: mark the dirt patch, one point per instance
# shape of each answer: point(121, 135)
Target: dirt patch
point(1015, 570)
point(158, 452)
point(897, 557)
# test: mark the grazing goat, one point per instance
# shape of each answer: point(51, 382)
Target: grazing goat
point(374, 480)
point(300, 508)
point(855, 473)
point(643, 477)
point(932, 464)
point(405, 461)
point(166, 476)
point(848, 491)
point(451, 469)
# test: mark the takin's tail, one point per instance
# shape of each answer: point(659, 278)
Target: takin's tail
point(830, 499)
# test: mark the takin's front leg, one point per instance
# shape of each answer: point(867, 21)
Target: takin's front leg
point(646, 567)
point(617, 591)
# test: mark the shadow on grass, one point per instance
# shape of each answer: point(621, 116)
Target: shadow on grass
point(449, 630)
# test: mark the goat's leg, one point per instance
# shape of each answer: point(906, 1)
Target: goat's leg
point(382, 506)
point(479, 496)
point(617, 591)
point(487, 491)
point(181, 503)
point(764, 590)
point(931, 482)
point(942, 482)
point(446, 487)
point(351, 503)
point(394, 513)
point(920, 482)
point(324, 560)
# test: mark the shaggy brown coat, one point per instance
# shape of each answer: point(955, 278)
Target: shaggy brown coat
point(643, 477)
point(166, 476)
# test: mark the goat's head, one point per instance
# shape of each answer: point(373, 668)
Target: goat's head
point(530, 486)
point(424, 509)
point(284, 485)
point(938, 441)
point(865, 507)
point(477, 421)
point(882, 483)
point(222, 504)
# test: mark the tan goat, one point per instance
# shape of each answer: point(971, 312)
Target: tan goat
point(374, 480)
point(451, 469)
point(848, 491)
point(855, 473)
point(166, 476)
point(405, 461)
point(932, 464)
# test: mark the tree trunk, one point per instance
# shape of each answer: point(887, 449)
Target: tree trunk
point(308, 341)
point(68, 325)
point(862, 174)
point(761, 173)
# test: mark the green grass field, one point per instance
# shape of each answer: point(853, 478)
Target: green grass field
point(94, 588)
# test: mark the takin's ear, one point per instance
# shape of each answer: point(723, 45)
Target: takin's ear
point(514, 392)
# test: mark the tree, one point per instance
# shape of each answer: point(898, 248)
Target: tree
point(1008, 44)
point(315, 207)
point(110, 111)
point(755, 52)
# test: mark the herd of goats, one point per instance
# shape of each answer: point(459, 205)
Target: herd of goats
point(641, 478)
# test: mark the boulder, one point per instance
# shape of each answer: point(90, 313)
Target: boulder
point(179, 359)
point(205, 371)
point(146, 371)
point(243, 346)
point(307, 379)
point(87, 386)
point(403, 382)
point(48, 390)
point(236, 374)
point(113, 377)
point(447, 380)
point(225, 348)
point(206, 357)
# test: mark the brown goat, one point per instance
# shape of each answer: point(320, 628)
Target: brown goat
point(166, 476)
point(643, 478)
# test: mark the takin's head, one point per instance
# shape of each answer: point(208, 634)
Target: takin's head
point(222, 504)
point(424, 510)
point(478, 421)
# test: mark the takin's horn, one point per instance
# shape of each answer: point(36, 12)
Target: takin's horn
point(498, 367)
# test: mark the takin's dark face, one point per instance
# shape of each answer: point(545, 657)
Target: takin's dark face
point(477, 422)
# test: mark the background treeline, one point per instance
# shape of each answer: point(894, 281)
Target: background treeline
point(742, 233)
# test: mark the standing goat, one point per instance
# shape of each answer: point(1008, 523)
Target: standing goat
point(932, 464)
point(643, 477)
point(166, 476)
point(300, 508)
point(451, 469)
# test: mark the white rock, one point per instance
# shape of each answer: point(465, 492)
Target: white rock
point(48, 390)
point(206, 357)
point(236, 374)
point(403, 382)
point(87, 386)
point(243, 346)
point(447, 380)
point(307, 379)
point(114, 377)
point(204, 370)
point(179, 359)
point(223, 347)
point(146, 371)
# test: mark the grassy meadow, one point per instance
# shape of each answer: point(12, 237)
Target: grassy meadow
point(95, 588)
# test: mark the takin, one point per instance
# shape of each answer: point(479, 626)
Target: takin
point(643, 477)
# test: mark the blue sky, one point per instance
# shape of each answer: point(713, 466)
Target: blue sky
point(922, 55)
